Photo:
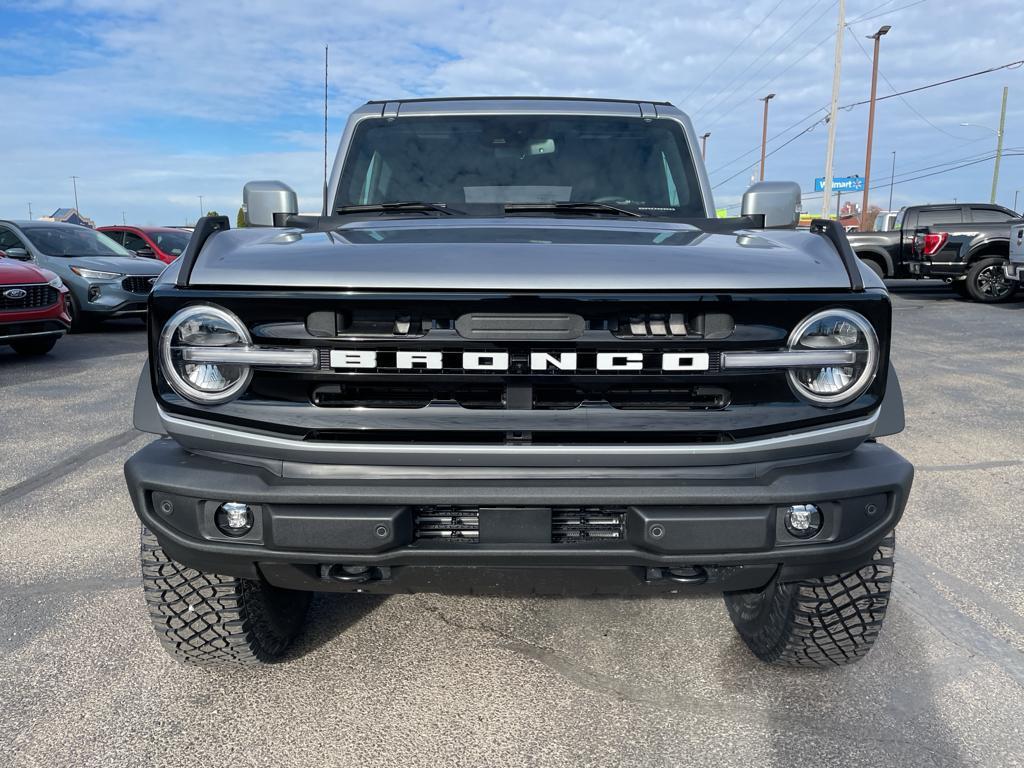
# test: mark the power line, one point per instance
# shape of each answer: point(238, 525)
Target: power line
point(770, 139)
point(797, 60)
point(757, 58)
point(962, 162)
point(892, 87)
point(886, 13)
point(1011, 65)
point(729, 55)
point(813, 48)
point(808, 129)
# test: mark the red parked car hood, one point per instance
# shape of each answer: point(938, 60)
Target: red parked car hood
point(14, 272)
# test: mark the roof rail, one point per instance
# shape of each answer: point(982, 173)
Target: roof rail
point(834, 231)
point(205, 227)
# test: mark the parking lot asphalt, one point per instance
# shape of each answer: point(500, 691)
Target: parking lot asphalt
point(429, 680)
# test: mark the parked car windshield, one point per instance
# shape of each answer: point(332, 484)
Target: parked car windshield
point(171, 242)
point(501, 159)
point(73, 241)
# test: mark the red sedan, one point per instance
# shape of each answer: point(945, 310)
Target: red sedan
point(33, 314)
point(163, 243)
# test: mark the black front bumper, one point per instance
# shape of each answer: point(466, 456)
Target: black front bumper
point(717, 531)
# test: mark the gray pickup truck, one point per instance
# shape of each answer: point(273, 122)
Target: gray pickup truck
point(518, 354)
point(965, 244)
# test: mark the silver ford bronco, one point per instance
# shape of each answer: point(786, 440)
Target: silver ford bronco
point(518, 354)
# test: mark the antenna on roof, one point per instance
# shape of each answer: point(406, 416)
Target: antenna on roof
point(326, 48)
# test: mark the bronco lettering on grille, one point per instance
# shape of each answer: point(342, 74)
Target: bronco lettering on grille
point(539, 361)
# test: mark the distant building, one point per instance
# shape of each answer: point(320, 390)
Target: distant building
point(69, 216)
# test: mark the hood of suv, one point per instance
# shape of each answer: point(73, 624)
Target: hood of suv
point(14, 272)
point(520, 253)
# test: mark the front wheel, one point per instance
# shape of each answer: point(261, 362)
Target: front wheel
point(211, 620)
point(987, 281)
point(34, 347)
point(822, 622)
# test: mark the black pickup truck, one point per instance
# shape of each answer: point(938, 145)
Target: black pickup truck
point(966, 244)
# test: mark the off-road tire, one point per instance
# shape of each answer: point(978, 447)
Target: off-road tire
point(988, 283)
point(208, 619)
point(34, 347)
point(822, 622)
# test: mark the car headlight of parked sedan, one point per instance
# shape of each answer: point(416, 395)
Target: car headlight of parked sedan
point(95, 274)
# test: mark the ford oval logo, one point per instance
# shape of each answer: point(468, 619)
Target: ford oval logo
point(15, 293)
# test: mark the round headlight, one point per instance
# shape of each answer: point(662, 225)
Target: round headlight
point(840, 330)
point(201, 382)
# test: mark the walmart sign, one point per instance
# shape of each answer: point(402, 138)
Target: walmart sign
point(841, 184)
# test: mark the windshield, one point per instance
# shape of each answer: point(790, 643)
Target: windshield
point(171, 242)
point(502, 159)
point(73, 241)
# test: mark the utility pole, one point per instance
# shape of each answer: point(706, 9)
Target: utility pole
point(30, 211)
point(704, 146)
point(1015, 193)
point(325, 129)
point(124, 221)
point(999, 146)
point(871, 126)
point(830, 153)
point(892, 177)
point(74, 183)
point(201, 214)
point(764, 131)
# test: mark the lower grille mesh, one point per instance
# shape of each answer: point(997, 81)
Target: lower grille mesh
point(569, 524)
point(457, 523)
point(461, 523)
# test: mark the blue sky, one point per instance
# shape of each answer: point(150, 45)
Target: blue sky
point(153, 104)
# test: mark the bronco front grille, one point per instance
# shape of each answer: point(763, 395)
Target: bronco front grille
point(35, 296)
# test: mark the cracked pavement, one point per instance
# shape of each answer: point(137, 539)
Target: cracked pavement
point(425, 680)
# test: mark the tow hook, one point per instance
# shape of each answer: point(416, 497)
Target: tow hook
point(349, 574)
point(680, 574)
point(690, 574)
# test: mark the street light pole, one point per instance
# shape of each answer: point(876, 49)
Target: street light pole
point(74, 183)
point(764, 131)
point(830, 152)
point(1015, 193)
point(30, 211)
point(871, 126)
point(200, 206)
point(999, 146)
point(892, 177)
point(704, 146)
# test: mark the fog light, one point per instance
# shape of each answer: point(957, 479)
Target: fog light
point(94, 293)
point(803, 520)
point(234, 518)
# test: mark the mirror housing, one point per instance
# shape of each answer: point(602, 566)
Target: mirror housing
point(268, 202)
point(777, 201)
point(18, 253)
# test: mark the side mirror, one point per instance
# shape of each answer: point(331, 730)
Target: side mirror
point(268, 203)
point(145, 252)
point(777, 201)
point(18, 253)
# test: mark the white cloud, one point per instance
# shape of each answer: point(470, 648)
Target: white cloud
point(238, 86)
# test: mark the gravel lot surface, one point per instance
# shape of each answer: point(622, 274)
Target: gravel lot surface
point(436, 681)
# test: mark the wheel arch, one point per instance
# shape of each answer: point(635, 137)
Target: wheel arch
point(868, 253)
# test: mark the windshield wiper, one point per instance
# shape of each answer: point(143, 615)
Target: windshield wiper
point(582, 207)
point(409, 205)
